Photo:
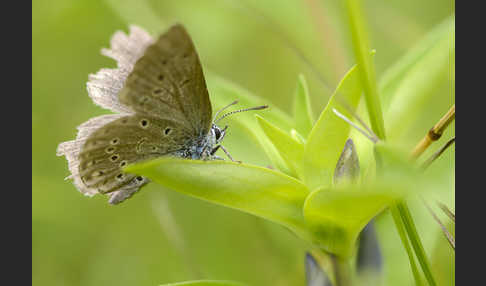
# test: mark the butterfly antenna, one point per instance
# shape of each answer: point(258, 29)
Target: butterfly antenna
point(241, 110)
point(219, 111)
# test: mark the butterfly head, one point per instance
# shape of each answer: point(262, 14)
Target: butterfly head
point(218, 133)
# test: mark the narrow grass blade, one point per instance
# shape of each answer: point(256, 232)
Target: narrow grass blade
point(303, 117)
point(367, 69)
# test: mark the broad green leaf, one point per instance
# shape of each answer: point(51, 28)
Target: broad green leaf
point(303, 117)
point(290, 150)
point(337, 216)
point(409, 84)
point(206, 283)
point(394, 165)
point(259, 191)
point(329, 134)
point(223, 92)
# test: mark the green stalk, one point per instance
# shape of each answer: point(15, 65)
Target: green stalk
point(364, 60)
point(342, 271)
point(400, 212)
point(403, 236)
point(415, 240)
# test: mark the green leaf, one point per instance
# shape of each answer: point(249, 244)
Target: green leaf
point(259, 191)
point(297, 137)
point(329, 134)
point(223, 92)
point(336, 216)
point(291, 150)
point(206, 283)
point(303, 117)
point(394, 165)
point(407, 86)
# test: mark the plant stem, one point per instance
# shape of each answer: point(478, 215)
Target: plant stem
point(403, 236)
point(367, 68)
point(342, 271)
point(434, 133)
point(368, 80)
point(415, 240)
point(436, 155)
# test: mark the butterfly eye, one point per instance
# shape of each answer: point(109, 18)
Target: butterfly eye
point(217, 133)
point(139, 178)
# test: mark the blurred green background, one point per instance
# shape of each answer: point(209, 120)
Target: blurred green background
point(161, 236)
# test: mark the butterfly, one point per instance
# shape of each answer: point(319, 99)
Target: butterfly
point(162, 108)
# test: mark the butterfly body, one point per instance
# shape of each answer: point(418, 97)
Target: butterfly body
point(204, 146)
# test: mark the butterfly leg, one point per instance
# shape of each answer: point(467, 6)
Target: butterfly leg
point(223, 133)
point(228, 154)
point(214, 151)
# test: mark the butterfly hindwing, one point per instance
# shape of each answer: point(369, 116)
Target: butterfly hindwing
point(168, 82)
point(127, 140)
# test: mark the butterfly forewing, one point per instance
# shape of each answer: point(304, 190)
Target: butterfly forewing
point(168, 82)
point(168, 112)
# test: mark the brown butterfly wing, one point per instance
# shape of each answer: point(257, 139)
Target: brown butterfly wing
point(168, 82)
point(124, 141)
